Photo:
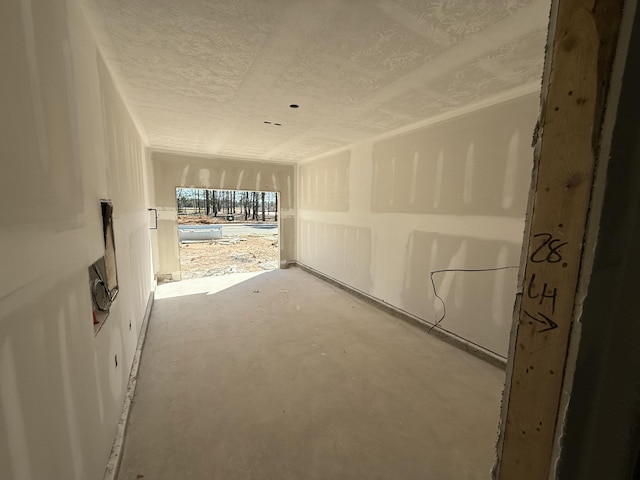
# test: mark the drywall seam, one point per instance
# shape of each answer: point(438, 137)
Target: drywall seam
point(487, 227)
point(115, 457)
point(209, 156)
point(28, 284)
point(115, 73)
point(424, 325)
point(527, 89)
point(296, 221)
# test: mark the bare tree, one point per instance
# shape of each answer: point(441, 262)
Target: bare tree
point(276, 209)
point(254, 206)
point(182, 198)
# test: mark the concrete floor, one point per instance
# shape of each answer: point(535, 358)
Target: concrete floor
point(284, 376)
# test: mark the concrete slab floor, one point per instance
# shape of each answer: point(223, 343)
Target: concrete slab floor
point(284, 376)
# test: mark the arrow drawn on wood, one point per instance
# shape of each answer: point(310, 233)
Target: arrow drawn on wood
point(545, 320)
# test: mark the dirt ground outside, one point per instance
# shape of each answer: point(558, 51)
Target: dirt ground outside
point(237, 254)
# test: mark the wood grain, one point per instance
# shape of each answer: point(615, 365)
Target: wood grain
point(573, 106)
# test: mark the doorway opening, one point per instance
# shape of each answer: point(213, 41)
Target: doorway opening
point(223, 232)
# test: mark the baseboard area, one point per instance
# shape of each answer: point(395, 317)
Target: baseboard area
point(423, 325)
point(115, 457)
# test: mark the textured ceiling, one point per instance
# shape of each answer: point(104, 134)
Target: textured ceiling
point(204, 75)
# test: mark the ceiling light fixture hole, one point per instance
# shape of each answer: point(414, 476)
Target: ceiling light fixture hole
point(293, 105)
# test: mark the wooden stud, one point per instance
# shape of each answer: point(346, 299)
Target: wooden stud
point(582, 46)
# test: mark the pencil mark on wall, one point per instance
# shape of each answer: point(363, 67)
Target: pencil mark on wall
point(546, 293)
point(542, 292)
point(543, 319)
point(548, 251)
point(472, 270)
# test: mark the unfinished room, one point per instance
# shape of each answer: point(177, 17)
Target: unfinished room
point(438, 183)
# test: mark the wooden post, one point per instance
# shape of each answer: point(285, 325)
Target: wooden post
point(582, 46)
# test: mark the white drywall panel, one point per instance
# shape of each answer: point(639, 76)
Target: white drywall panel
point(66, 141)
point(171, 170)
point(448, 196)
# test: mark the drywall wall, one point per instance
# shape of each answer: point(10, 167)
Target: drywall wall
point(66, 141)
point(447, 196)
point(171, 170)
